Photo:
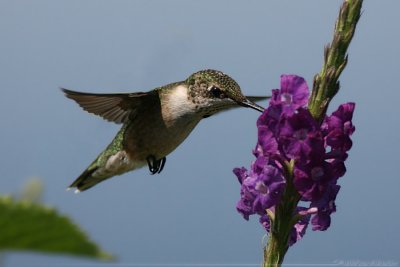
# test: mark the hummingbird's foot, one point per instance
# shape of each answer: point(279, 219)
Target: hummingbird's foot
point(155, 166)
point(162, 163)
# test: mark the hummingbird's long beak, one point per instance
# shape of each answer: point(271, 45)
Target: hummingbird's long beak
point(250, 104)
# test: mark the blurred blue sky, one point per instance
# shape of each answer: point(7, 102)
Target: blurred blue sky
point(187, 213)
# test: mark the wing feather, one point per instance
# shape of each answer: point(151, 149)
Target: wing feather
point(116, 108)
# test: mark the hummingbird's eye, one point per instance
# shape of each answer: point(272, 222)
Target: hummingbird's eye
point(216, 92)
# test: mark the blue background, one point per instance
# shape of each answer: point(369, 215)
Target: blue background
point(187, 213)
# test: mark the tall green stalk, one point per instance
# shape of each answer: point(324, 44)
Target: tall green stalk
point(326, 83)
point(282, 222)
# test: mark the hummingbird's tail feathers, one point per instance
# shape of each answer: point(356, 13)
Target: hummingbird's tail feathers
point(108, 164)
point(85, 180)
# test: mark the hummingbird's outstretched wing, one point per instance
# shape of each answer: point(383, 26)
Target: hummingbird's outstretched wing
point(116, 108)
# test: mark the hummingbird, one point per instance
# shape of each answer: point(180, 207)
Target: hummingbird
point(156, 122)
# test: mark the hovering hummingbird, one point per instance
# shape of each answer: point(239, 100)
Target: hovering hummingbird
point(154, 123)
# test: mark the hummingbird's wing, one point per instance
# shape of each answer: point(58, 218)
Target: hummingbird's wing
point(116, 108)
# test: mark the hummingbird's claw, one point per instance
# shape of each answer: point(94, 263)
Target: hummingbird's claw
point(151, 161)
point(162, 163)
point(155, 166)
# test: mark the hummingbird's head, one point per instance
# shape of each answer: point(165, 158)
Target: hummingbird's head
point(213, 91)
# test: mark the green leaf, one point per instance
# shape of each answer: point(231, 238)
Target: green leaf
point(34, 227)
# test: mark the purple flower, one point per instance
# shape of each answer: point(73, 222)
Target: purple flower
point(292, 95)
point(300, 136)
point(338, 128)
point(269, 187)
point(244, 207)
point(241, 174)
point(313, 179)
point(270, 118)
point(299, 229)
point(261, 188)
point(265, 222)
point(245, 204)
point(290, 142)
point(325, 207)
point(267, 144)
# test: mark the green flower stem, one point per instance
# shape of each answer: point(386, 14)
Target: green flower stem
point(326, 83)
point(281, 222)
point(281, 228)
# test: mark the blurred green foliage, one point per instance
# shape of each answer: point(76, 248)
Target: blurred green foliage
point(27, 225)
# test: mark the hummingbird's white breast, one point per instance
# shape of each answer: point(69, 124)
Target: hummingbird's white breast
point(177, 106)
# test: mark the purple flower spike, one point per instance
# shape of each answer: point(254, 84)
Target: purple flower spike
point(288, 135)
